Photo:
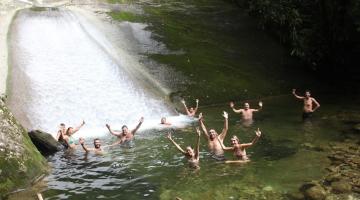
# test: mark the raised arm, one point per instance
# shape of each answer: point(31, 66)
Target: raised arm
point(233, 108)
point(176, 145)
point(82, 142)
point(186, 109)
point(138, 126)
point(111, 131)
point(260, 107)
point(297, 96)
point(223, 146)
point(258, 134)
point(78, 128)
point(226, 126)
point(202, 125)
point(197, 105)
point(317, 105)
point(197, 146)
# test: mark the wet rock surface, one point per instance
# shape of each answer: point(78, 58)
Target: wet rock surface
point(44, 142)
point(20, 162)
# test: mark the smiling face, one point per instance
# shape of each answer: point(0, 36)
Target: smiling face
point(125, 130)
point(69, 131)
point(190, 151)
point(246, 106)
point(212, 134)
point(234, 140)
point(97, 143)
point(307, 94)
point(62, 127)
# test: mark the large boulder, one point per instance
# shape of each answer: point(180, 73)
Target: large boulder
point(313, 191)
point(20, 161)
point(44, 142)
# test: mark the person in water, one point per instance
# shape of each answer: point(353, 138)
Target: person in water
point(97, 146)
point(214, 144)
point(61, 132)
point(240, 149)
point(246, 112)
point(125, 136)
point(308, 109)
point(163, 121)
point(191, 154)
point(69, 140)
point(191, 112)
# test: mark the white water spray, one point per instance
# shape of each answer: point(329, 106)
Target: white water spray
point(64, 70)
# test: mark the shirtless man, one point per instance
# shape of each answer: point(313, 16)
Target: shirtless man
point(97, 146)
point(214, 143)
point(191, 154)
point(239, 149)
point(191, 112)
point(308, 103)
point(246, 112)
point(125, 136)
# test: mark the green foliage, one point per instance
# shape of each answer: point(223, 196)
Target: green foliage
point(319, 32)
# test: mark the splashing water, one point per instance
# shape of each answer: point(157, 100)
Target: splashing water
point(62, 71)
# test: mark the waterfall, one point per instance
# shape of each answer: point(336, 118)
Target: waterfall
point(64, 70)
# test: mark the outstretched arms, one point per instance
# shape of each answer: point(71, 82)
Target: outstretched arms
point(197, 146)
point(138, 126)
point(202, 125)
point(176, 145)
point(226, 126)
point(260, 107)
point(111, 131)
point(223, 146)
point(233, 108)
point(258, 134)
point(297, 96)
point(186, 109)
point(78, 128)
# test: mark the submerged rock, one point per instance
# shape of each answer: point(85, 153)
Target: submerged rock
point(20, 162)
point(44, 142)
point(341, 187)
point(313, 191)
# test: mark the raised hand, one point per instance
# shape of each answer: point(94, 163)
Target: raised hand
point(197, 100)
point(183, 101)
point(231, 104)
point(141, 120)
point(225, 115)
point(200, 116)
point(107, 126)
point(258, 132)
point(81, 141)
point(83, 122)
point(293, 91)
point(198, 131)
point(260, 104)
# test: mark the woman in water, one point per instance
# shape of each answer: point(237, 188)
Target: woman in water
point(191, 154)
point(69, 140)
point(240, 149)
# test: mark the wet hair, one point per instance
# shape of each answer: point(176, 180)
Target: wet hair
point(124, 127)
point(68, 130)
point(307, 91)
point(62, 124)
point(96, 139)
point(235, 138)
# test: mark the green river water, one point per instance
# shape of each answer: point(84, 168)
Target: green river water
point(223, 57)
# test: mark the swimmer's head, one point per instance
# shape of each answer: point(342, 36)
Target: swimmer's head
point(234, 140)
point(212, 134)
point(191, 109)
point(190, 151)
point(69, 131)
point(62, 126)
point(163, 120)
point(246, 105)
point(307, 93)
point(97, 143)
point(124, 129)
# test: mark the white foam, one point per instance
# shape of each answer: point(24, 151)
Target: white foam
point(61, 72)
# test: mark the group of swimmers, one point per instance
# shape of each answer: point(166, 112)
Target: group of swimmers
point(215, 141)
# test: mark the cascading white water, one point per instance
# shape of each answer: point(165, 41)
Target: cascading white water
point(62, 71)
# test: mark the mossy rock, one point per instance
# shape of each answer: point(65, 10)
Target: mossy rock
point(44, 142)
point(20, 161)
